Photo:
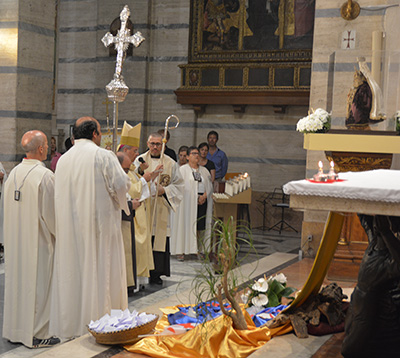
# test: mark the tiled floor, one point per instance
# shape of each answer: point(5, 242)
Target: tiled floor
point(275, 253)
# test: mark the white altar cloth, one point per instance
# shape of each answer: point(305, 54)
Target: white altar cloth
point(374, 185)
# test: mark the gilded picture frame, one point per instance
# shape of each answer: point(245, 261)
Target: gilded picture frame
point(251, 31)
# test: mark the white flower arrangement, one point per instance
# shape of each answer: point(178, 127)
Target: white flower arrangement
point(318, 120)
point(268, 292)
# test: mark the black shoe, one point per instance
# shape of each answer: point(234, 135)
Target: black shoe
point(156, 280)
point(42, 343)
point(131, 291)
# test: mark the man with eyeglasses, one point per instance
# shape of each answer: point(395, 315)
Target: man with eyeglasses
point(170, 194)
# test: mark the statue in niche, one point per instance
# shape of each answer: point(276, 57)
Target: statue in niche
point(364, 101)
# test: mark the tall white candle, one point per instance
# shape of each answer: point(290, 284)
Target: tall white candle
point(377, 39)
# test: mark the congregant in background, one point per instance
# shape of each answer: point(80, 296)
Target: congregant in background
point(54, 155)
point(192, 222)
point(203, 161)
point(168, 151)
point(217, 156)
point(182, 155)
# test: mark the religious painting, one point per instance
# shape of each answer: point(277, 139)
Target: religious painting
point(107, 139)
point(251, 30)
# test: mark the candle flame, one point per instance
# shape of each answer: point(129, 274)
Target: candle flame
point(320, 165)
point(332, 164)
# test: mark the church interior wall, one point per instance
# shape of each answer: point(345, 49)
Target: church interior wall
point(27, 34)
point(258, 141)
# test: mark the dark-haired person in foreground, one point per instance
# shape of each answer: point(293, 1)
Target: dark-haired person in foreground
point(89, 264)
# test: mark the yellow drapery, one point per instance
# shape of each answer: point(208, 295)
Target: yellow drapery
point(216, 338)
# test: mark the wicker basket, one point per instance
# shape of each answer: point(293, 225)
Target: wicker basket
point(126, 336)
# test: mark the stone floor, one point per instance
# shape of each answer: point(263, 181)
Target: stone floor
point(275, 253)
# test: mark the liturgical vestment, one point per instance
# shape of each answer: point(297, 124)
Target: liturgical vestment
point(144, 252)
point(29, 228)
point(89, 263)
point(184, 228)
point(172, 182)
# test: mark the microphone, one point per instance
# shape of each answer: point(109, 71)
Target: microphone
point(141, 160)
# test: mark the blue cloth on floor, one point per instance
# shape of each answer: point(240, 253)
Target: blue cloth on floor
point(202, 312)
point(268, 314)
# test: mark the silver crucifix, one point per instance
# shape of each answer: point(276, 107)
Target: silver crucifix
point(117, 89)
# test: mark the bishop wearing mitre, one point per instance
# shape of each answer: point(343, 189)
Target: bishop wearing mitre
point(140, 189)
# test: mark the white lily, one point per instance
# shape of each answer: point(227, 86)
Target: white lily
point(260, 300)
point(261, 285)
point(281, 278)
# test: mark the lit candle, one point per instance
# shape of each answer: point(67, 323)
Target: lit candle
point(320, 176)
point(332, 174)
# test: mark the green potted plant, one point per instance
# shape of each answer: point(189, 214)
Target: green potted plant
point(216, 278)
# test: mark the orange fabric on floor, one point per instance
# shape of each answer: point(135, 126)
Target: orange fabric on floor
point(215, 338)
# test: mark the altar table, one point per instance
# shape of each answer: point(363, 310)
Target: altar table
point(375, 192)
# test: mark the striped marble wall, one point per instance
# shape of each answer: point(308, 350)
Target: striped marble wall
point(259, 141)
point(26, 72)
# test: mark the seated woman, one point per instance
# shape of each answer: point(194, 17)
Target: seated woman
point(192, 221)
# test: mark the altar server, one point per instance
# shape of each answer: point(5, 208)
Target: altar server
point(192, 221)
point(89, 264)
point(168, 199)
point(29, 228)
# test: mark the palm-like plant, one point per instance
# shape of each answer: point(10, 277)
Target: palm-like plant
point(216, 277)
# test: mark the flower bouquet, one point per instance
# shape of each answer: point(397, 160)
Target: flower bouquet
point(269, 292)
point(316, 121)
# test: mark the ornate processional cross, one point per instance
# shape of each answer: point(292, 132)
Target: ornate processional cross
point(117, 89)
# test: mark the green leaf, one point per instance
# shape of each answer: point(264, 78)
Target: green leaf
point(276, 287)
point(288, 291)
point(273, 300)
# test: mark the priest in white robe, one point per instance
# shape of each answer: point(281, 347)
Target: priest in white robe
point(192, 221)
point(29, 229)
point(89, 263)
point(168, 199)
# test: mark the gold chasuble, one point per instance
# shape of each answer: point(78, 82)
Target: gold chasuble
point(144, 252)
point(172, 182)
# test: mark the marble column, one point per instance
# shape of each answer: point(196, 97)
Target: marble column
point(26, 72)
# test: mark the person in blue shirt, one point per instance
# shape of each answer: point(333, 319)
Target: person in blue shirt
point(217, 156)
